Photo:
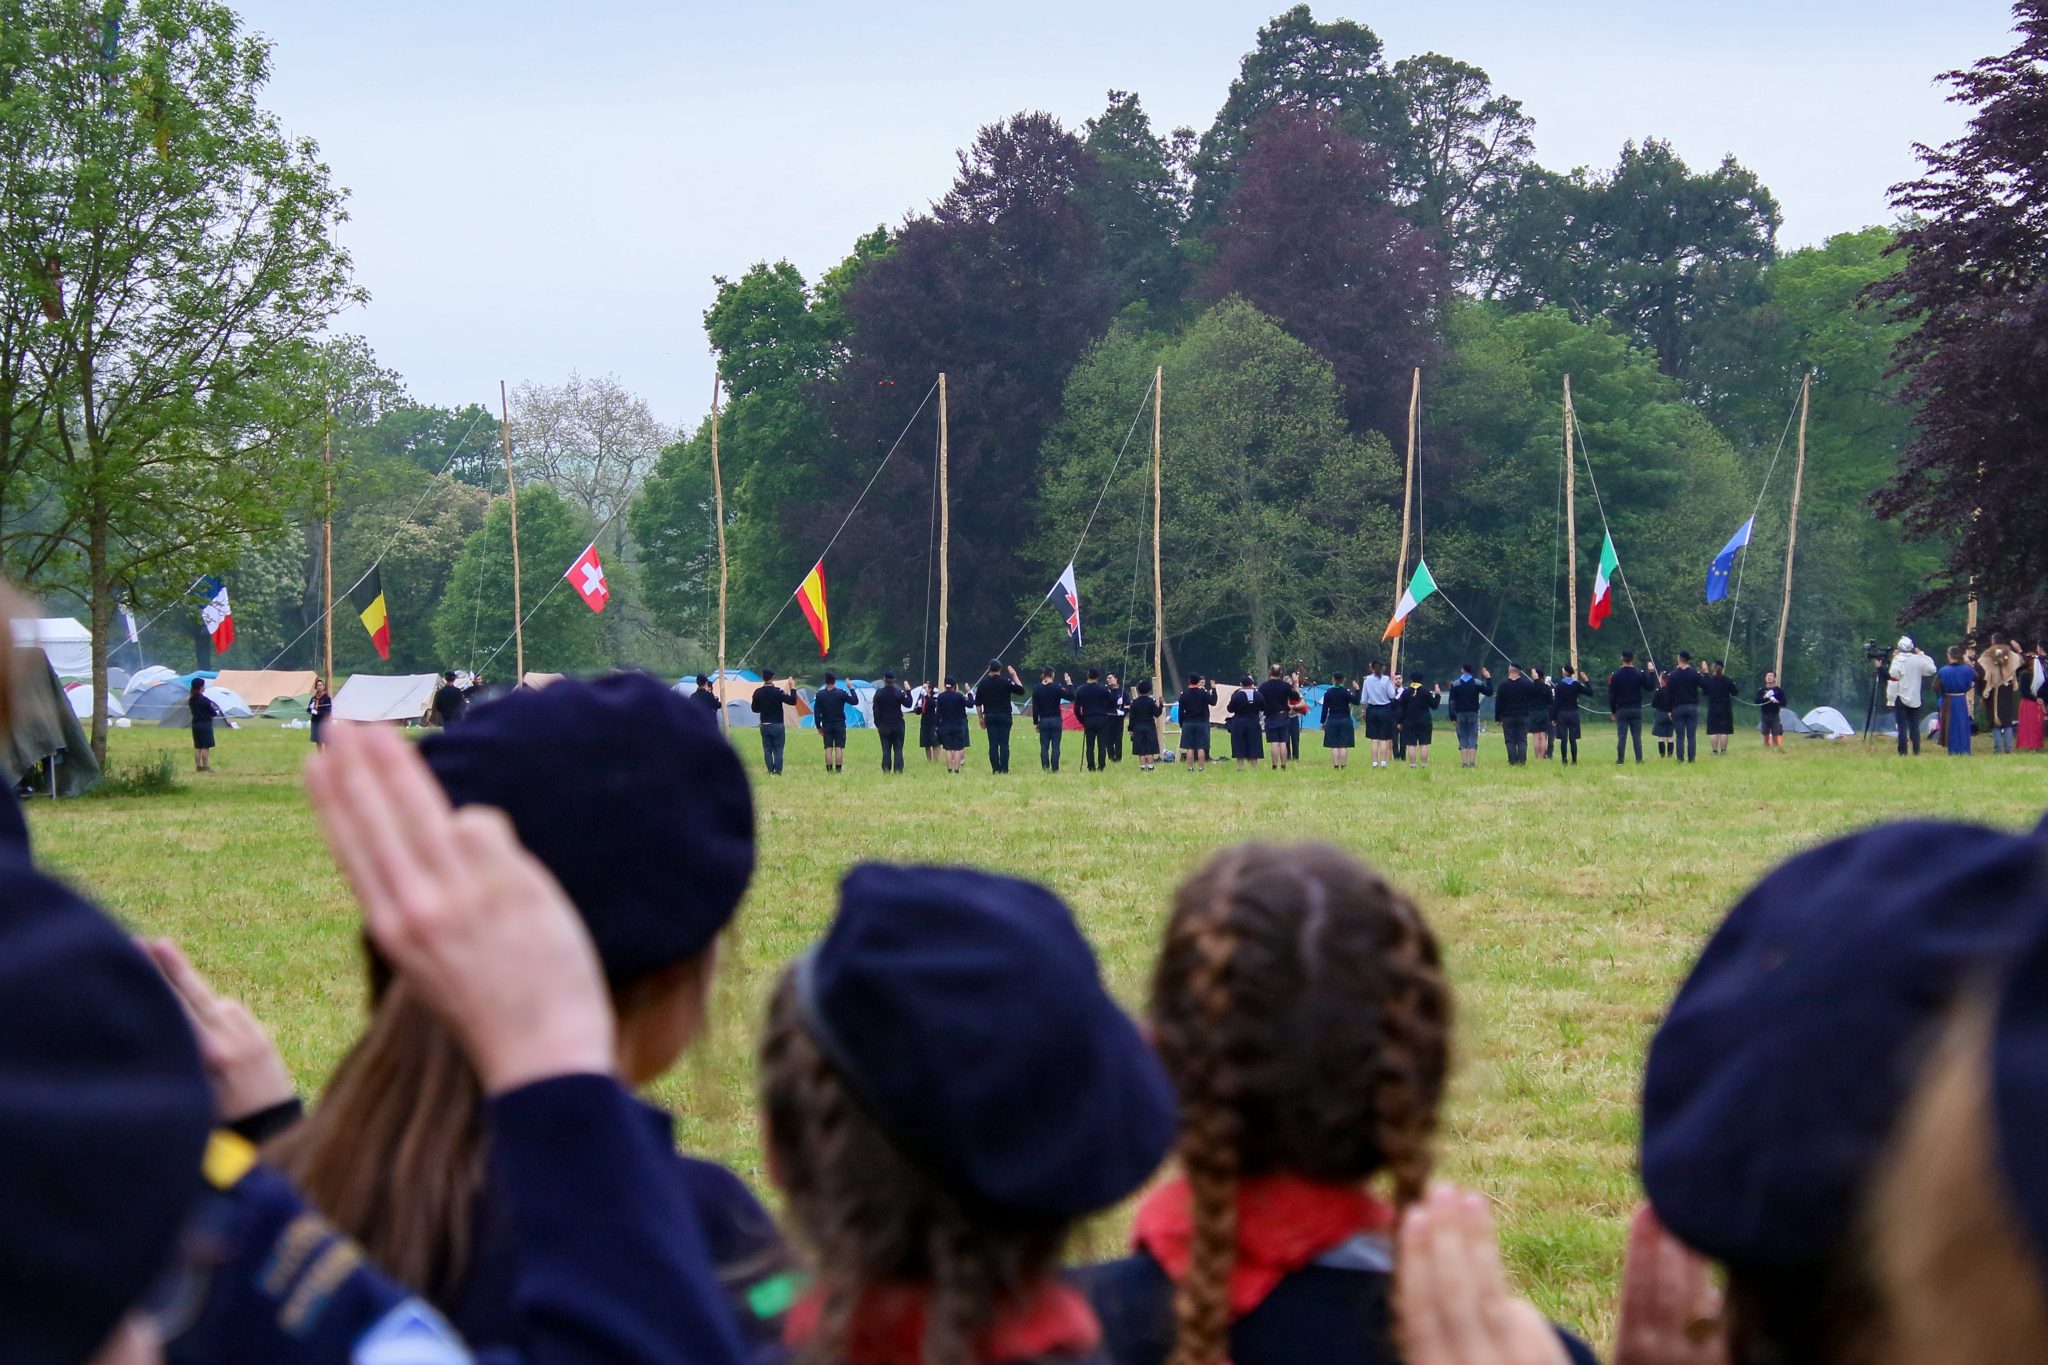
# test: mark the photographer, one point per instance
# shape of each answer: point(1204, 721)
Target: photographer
point(1910, 670)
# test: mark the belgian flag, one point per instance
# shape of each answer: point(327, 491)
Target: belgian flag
point(368, 599)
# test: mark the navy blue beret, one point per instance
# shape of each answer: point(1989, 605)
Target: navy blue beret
point(631, 797)
point(1778, 1075)
point(966, 1014)
point(2019, 1073)
point(104, 1115)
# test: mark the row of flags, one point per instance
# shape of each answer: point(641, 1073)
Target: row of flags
point(585, 575)
point(810, 599)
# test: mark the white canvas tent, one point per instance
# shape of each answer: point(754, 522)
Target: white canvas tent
point(79, 694)
point(1828, 723)
point(67, 644)
point(368, 697)
point(146, 678)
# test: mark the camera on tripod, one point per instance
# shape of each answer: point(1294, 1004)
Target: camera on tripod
point(1877, 654)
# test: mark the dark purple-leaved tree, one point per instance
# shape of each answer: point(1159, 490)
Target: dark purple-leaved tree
point(1974, 286)
point(1001, 287)
point(1310, 236)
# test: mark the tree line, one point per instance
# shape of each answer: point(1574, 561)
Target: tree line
point(178, 403)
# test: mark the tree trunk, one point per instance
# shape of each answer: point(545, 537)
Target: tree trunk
point(1262, 634)
point(1170, 684)
point(102, 612)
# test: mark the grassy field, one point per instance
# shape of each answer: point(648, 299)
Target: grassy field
point(1569, 902)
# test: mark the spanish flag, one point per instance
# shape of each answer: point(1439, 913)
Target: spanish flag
point(368, 599)
point(810, 595)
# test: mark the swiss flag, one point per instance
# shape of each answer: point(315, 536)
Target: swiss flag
point(586, 575)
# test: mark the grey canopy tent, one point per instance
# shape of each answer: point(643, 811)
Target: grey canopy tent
point(47, 749)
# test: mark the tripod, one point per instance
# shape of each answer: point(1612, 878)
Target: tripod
point(1880, 674)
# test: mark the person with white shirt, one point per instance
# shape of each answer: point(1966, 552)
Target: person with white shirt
point(1910, 670)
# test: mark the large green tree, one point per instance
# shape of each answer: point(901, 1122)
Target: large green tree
point(1278, 523)
point(183, 248)
point(1139, 200)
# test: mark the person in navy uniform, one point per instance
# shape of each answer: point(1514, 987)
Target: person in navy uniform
point(1340, 731)
point(927, 721)
point(947, 1090)
point(1414, 706)
point(1291, 982)
point(319, 711)
point(705, 697)
point(1628, 688)
point(1683, 685)
point(1519, 697)
point(1195, 707)
point(1718, 689)
point(1466, 692)
point(1047, 714)
point(1770, 705)
point(1095, 706)
point(1378, 692)
point(1145, 712)
point(992, 697)
point(949, 719)
point(887, 706)
point(1119, 715)
point(205, 711)
point(451, 703)
point(829, 709)
point(1246, 720)
point(1786, 1066)
point(1539, 713)
point(1570, 692)
point(1277, 697)
point(1661, 726)
point(768, 702)
point(395, 1154)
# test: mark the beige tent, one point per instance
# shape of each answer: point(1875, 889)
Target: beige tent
point(540, 680)
point(262, 686)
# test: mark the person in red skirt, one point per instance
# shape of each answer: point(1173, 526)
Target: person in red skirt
point(2033, 682)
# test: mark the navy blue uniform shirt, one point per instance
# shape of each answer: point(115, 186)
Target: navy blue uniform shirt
point(1046, 699)
point(829, 706)
point(888, 706)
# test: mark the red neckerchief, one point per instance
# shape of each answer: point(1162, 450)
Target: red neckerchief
point(1283, 1223)
point(888, 1326)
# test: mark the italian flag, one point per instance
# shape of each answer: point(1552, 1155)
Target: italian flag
point(1421, 586)
point(1603, 584)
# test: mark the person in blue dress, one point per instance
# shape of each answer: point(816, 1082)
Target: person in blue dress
point(204, 712)
point(1958, 680)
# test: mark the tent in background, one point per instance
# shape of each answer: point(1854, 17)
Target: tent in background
point(178, 716)
point(45, 728)
point(1828, 723)
point(154, 700)
point(66, 643)
point(261, 686)
point(80, 697)
point(367, 696)
point(540, 680)
point(144, 679)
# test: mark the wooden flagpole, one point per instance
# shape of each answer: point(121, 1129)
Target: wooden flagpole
point(718, 510)
point(1792, 526)
point(1158, 574)
point(1407, 512)
point(512, 488)
point(327, 552)
point(945, 535)
point(1571, 526)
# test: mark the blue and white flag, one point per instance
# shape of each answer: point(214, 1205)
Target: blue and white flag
point(1724, 562)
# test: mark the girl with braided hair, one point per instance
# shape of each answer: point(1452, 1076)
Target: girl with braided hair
point(946, 1090)
point(1300, 1007)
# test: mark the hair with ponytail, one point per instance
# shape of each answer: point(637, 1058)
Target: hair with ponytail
point(1300, 1006)
point(872, 1218)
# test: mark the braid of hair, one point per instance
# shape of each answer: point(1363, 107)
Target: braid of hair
point(963, 1295)
point(1204, 937)
point(1415, 1020)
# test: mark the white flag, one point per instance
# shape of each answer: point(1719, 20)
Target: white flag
point(1070, 595)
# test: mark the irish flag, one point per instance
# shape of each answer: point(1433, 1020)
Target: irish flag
point(1603, 584)
point(1420, 587)
point(810, 595)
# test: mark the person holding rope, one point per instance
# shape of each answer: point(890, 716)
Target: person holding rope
point(1628, 687)
point(1118, 716)
point(1046, 714)
point(888, 705)
point(1564, 715)
point(1467, 690)
point(1770, 701)
point(1378, 691)
point(1197, 701)
point(1683, 686)
point(1340, 732)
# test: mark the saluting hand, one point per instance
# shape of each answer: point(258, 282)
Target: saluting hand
point(467, 916)
point(1456, 1307)
point(243, 1068)
point(1670, 1308)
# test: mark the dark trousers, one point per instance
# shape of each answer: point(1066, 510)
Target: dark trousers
point(1095, 744)
point(1628, 720)
point(772, 739)
point(1293, 737)
point(1567, 746)
point(1685, 724)
point(1908, 718)
point(1050, 732)
point(892, 749)
point(1515, 730)
point(1116, 741)
point(999, 746)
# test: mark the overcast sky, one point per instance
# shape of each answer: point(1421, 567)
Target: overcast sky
point(539, 186)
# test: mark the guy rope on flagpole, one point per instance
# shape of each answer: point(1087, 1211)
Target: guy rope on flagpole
point(1075, 557)
point(748, 652)
point(1736, 600)
point(1620, 570)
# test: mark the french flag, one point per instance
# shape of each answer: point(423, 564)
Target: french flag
point(217, 616)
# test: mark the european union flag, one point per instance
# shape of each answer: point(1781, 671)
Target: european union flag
point(1724, 562)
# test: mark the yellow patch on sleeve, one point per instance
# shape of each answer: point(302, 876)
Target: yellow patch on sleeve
point(229, 1157)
